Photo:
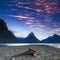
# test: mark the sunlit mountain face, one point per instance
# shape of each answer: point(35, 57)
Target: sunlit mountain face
point(42, 17)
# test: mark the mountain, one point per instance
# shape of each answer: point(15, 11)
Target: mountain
point(52, 39)
point(5, 34)
point(31, 38)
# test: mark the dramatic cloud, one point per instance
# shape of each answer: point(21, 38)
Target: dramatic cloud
point(39, 10)
point(37, 5)
point(31, 15)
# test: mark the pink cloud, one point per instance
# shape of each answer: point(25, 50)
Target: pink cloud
point(21, 17)
point(56, 30)
point(41, 1)
point(37, 26)
point(39, 10)
point(34, 24)
point(17, 34)
point(38, 29)
point(29, 21)
point(24, 7)
point(37, 4)
point(48, 7)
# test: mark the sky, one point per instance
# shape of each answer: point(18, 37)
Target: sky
point(42, 17)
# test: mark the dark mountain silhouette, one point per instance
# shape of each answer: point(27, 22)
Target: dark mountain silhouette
point(52, 39)
point(31, 38)
point(5, 34)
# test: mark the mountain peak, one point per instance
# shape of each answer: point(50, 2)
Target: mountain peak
point(3, 27)
point(2, 23)
point(31, 33)
point(1, 20)
point(55, 35)
point(31, 38)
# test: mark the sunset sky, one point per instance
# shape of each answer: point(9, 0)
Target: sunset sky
point(42, 17)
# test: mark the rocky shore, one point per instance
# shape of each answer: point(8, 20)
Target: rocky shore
point(43, 52)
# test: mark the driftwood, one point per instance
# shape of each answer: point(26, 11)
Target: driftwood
point(28, 52)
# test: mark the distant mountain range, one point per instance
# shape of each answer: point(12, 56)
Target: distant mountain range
point(32, 39)
point(52, 39)
point(7, 36)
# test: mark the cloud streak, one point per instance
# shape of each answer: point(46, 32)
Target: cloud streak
point(21, 17)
